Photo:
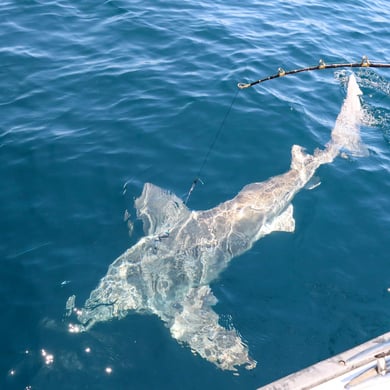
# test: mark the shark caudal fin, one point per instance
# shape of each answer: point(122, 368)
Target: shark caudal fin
point(345, 136)
point(346, 132)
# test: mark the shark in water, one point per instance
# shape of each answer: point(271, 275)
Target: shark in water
point(169, 270)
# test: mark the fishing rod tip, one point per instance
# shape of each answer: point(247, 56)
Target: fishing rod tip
point(243, 85)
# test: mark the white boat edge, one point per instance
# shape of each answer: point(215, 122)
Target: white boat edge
point(366, 366)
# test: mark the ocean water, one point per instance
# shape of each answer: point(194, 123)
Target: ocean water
point(97, 98)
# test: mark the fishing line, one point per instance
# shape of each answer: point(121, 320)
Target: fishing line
point(211, 147)
point(365, 63)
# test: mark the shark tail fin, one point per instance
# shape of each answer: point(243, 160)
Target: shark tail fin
point(346, 132)
point(345, 136)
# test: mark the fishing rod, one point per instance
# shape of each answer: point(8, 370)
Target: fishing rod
point(365, 63)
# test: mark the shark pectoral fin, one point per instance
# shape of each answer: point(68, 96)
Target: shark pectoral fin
point(282, 223)
point(197, 325)
point(159, 209)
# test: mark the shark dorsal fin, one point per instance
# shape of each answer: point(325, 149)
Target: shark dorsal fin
point(159, 209)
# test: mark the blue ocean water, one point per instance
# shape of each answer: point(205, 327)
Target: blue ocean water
point(97, 98)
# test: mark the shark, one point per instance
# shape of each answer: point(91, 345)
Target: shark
point(169, 270)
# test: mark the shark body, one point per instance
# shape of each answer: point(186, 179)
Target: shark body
point(169, 270)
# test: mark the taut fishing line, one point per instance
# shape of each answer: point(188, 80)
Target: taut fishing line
point(211, 147)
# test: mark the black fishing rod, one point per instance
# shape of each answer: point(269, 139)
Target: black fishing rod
point(365, 63)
